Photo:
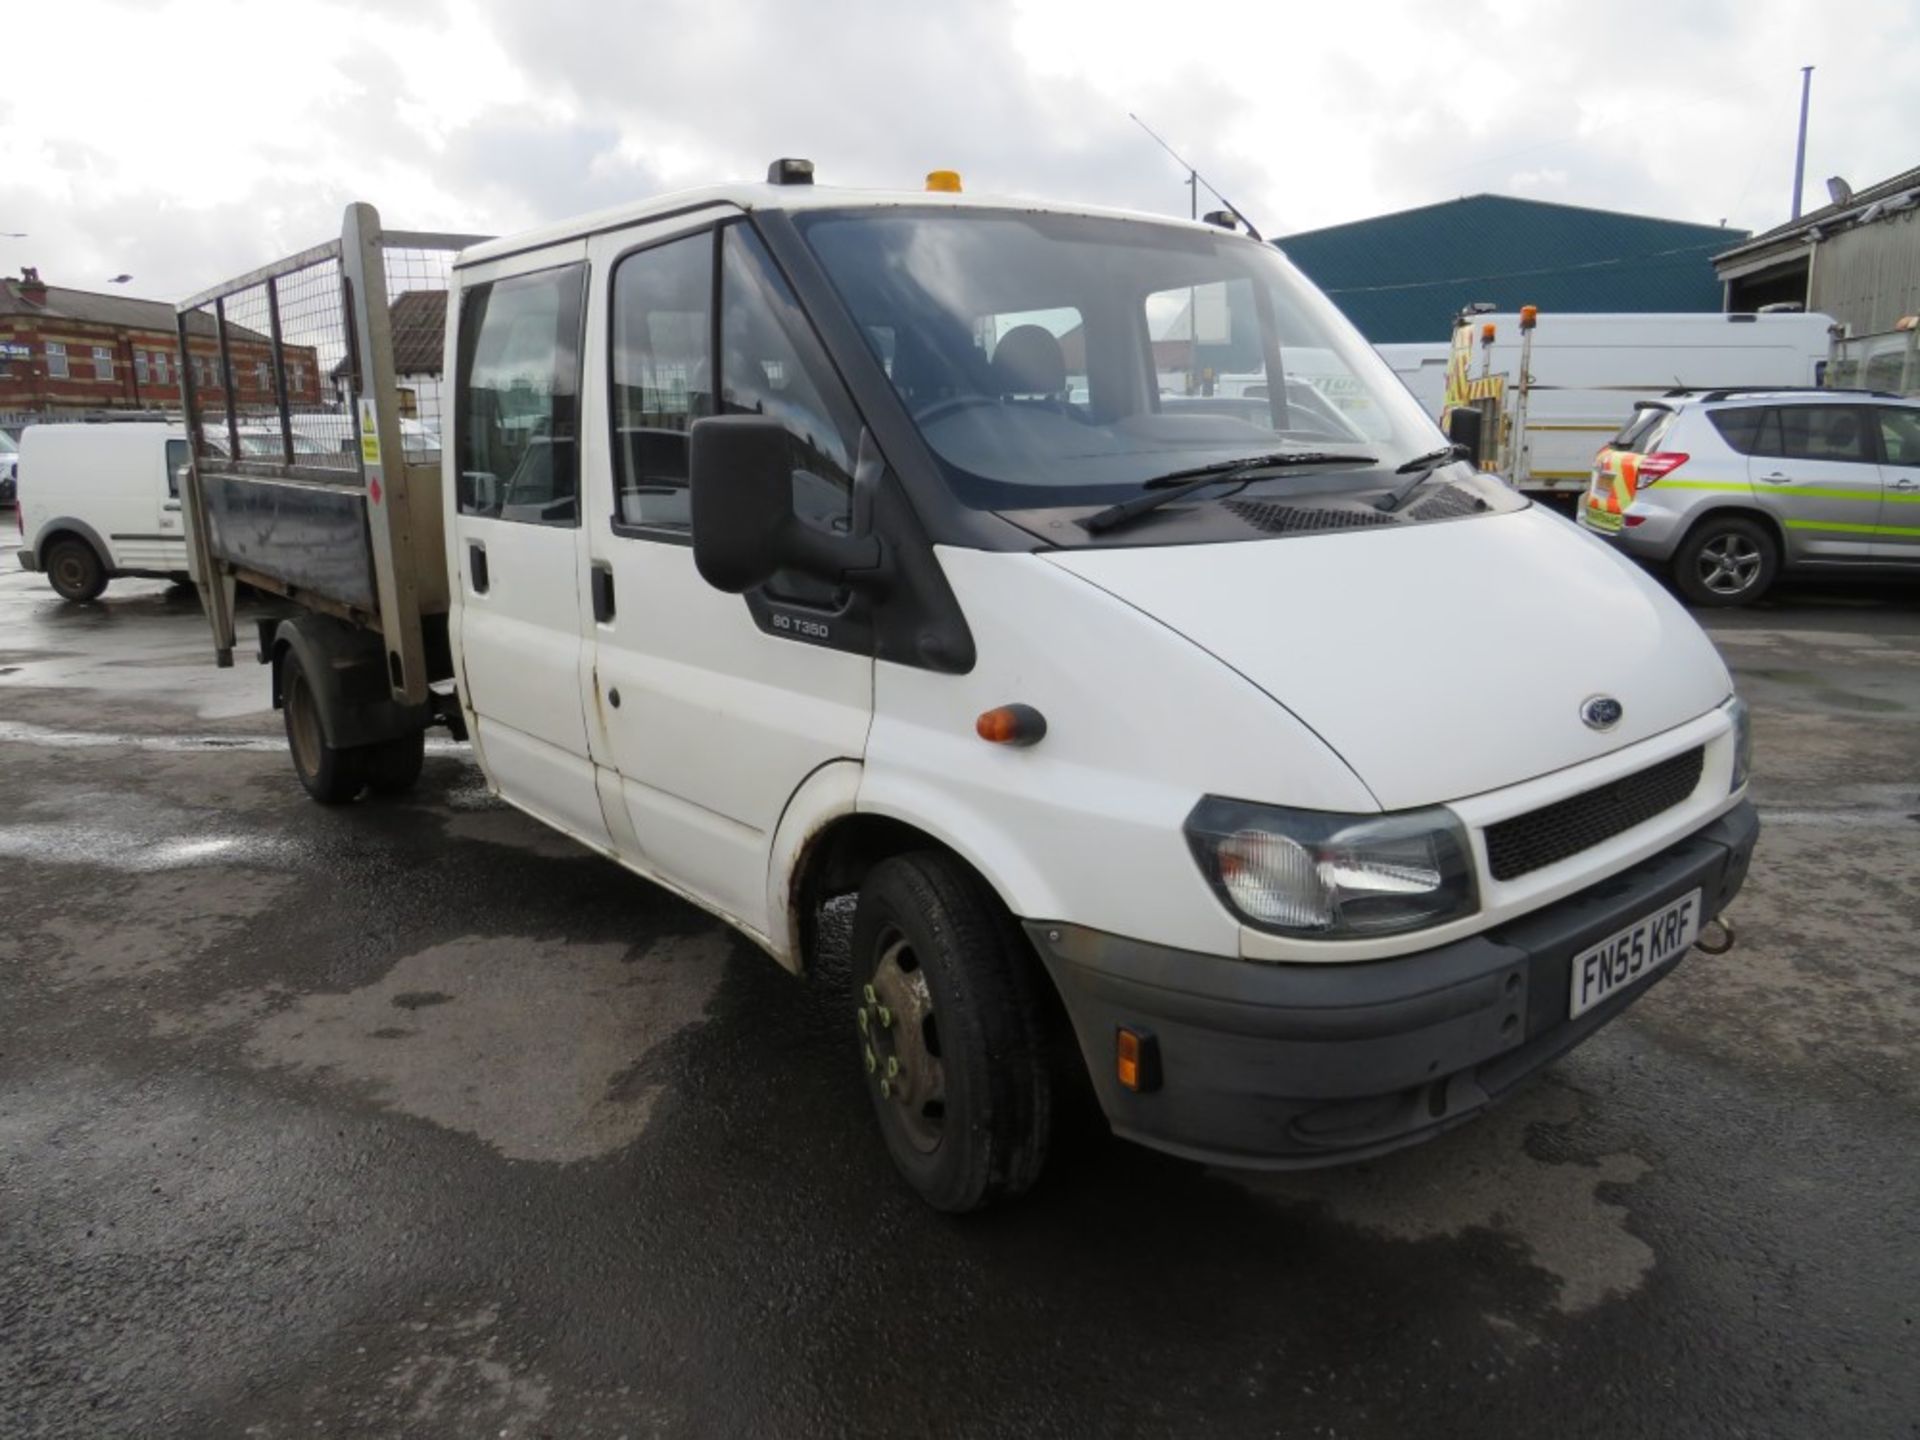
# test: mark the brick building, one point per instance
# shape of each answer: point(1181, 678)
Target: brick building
point(77, 351)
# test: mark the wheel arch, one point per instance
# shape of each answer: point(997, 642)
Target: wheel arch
point(824, 847)
point(67, 527)
point(1724, 510)
point(346, 670)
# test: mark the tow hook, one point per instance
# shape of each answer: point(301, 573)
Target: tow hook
point(1717, 936)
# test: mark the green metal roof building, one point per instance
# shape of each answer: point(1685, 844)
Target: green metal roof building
point(1403, 277)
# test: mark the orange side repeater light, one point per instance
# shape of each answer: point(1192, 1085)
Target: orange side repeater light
point(1011, 725)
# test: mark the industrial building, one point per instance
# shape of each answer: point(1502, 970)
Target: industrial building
point(1856, 259)
point(1403, 277)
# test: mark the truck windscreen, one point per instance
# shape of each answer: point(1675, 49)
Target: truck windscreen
point(1061, 359)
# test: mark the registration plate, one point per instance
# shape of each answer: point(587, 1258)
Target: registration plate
point(1633, 954)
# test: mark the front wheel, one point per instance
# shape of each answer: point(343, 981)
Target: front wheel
point(1726, 561)
point(951, 1040)
point(331, 774)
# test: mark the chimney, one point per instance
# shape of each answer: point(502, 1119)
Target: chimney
point(33, 289)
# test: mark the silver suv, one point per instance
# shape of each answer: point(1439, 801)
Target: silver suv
point(1728, 488)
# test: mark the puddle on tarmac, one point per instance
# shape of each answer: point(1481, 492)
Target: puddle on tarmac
point(539, 1047)
point(1483, 1177)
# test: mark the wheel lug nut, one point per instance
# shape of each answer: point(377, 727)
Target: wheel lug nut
point(893, 1066)
point(886, 1090)
point(862, 1017)
point(866, 993)
point(886, 1017)
point(872, 1061)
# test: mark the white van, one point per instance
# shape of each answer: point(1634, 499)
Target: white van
point(772, 555)
point(101, 501)
point(1545, 403)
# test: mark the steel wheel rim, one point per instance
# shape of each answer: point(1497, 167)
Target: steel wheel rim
point(69, 573)
point(1729, 564)
point(303, 727)
point(900, 1040)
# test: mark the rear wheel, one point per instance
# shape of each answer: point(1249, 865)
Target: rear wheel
point(1726, 560)
point(75, 572)
point(951, 1039)
point(393, 766)
point(331, 775)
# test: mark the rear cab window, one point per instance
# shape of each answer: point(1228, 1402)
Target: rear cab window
point(518, 396)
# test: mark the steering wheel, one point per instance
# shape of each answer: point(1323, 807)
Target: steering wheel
point(951, 405)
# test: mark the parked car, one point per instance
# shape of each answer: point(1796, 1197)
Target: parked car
point(1727, 490)
point(9, 466)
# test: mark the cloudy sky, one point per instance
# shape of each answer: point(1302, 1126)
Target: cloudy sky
point(187, 141)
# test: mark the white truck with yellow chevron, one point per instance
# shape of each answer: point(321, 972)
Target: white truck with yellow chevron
point(1542, 392)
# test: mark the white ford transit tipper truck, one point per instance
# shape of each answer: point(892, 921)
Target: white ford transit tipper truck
point(787, 544)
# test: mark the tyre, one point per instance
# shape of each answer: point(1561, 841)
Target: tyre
point(951, 1041)
point(1726, 560)
point(331, 775)
point(394, 765)
point(75, 572)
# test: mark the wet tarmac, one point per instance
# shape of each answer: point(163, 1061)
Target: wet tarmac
point(411, 1118)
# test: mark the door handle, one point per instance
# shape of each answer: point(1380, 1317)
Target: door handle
point(1776, 476)
point(173, 505)
point(1903, 483)
point(477, 566)
point(602, 593)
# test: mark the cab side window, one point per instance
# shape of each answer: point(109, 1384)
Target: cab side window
point(662, 376)
point(1818, 432)
point(177, 460)
point(518, 389)
point(1900, 435)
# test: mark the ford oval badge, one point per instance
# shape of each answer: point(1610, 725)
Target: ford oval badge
point(1601, 712)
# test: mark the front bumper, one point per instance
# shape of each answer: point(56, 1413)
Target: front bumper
point(1276, 1066)
point(28, 561)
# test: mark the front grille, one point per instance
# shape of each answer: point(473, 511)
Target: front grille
point(1277, 519)
point(1542, 837)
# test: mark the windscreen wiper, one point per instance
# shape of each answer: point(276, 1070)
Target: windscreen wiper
point(1418, 468)
point(1178, 484)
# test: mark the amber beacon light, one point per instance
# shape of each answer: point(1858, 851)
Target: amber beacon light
point(947, 180)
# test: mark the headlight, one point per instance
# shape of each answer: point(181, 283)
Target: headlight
point(1742, 740)
point(1324, 876)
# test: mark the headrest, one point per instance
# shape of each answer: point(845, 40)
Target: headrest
point(1029, 361)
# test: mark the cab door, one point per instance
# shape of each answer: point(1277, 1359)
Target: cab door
point(709, 710)
point(1898, 539)
point(517, 542)
point(1813, 469)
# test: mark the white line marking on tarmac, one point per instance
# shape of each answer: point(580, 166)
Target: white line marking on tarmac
point(24, 734)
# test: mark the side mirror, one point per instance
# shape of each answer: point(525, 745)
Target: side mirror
point(1464, 429)
point(745, 530)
